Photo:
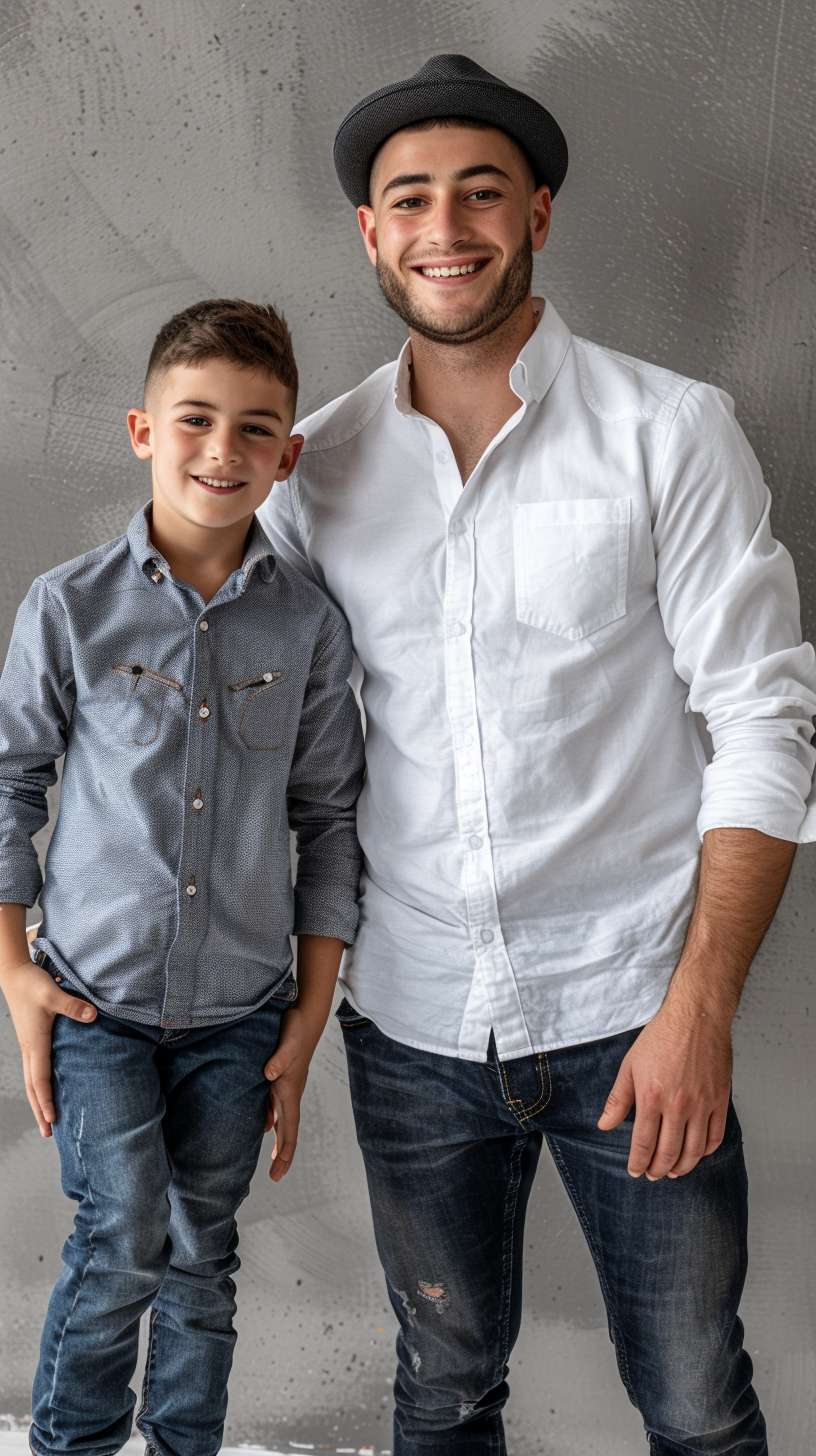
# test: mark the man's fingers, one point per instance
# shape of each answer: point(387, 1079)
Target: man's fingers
point(620, 1099)
point(645, 1134)
point(693, 1149)
point(716, 1129)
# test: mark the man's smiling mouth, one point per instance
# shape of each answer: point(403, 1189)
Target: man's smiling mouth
point(450, 270)
point(211, 482)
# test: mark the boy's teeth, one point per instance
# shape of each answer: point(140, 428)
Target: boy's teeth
point(220, 484)
point(453, 272)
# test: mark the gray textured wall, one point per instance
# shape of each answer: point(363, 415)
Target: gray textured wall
point(155, 153)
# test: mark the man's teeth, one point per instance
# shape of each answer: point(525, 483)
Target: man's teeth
point(219, 484)
point(453, 272)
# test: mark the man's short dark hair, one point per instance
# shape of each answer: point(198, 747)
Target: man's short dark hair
point(251, 335)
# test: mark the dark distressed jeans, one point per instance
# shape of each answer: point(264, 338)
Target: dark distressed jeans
point(451, 1149)
point(158, 1134)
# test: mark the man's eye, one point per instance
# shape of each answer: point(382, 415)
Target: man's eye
point(409, 202)
point(484, 194)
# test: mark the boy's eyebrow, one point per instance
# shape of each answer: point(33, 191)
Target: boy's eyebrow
point(407, 179)
point(203, 404)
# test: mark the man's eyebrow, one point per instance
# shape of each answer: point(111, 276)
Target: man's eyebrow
point(488, 168)
point(203, 404)
point(407, 179)
point(482, 169)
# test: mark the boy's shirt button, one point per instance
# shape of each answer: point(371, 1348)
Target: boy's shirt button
point(191, 891)
point(203, 625)
point(198, 803)
point(157, 576)
point(203, 711)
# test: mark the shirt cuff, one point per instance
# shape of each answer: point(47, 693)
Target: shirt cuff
point(327, 910)
point(764, 791)
point(20, 880)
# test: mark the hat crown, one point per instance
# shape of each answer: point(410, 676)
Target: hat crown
point(451, 67)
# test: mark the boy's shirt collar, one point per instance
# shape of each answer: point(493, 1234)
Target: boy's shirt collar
point(150, 560)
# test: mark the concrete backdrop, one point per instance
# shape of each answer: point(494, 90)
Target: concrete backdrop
point(159, 152)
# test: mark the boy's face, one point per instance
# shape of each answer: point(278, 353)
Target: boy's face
point(218, 437)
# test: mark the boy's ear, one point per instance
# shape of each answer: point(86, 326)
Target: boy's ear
point(289, 458)
point(139, 426)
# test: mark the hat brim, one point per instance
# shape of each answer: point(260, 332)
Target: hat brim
point(375, 119)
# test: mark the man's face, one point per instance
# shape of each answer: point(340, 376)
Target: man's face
point(453, 223)
point(218, 437)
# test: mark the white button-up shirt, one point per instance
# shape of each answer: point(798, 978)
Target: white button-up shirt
point(541, 652)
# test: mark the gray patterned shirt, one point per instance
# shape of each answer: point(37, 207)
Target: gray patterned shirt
point(194, 737)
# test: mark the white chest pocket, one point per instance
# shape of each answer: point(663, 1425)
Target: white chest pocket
point(571, 561)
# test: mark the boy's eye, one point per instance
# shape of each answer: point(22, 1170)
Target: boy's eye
point(256, 430)
point(194, 420)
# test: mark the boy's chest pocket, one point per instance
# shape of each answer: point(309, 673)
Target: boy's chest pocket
point(571, 561)
point(262, 709)
point(144, 702)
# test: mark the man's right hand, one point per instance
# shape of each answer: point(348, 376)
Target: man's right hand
point(34, 1001)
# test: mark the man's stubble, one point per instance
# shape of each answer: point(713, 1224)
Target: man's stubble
point(510, 290)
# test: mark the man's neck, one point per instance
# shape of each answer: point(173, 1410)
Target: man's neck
point(465, 388)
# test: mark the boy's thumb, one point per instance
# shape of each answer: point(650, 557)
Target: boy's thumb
point(76, 1009)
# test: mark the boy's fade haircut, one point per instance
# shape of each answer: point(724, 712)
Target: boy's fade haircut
point(251, 335)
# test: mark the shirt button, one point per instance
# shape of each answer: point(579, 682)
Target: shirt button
point(442, 456)
point(267, 677)
point(203, 625)
point(457, 528)
point(191, 891)
point(475, 841)
point(487, 936)
point(157, 576)
point(198, 803)
point(455, 629)
point(203, 711)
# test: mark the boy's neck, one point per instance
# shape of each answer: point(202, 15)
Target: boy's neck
point(204, 557)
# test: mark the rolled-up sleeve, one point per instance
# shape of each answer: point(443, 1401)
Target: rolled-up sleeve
point(324, 785)
point(37, 697)
point(727, 592)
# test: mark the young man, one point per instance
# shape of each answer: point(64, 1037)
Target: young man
point(198, 687)
point(553, 558)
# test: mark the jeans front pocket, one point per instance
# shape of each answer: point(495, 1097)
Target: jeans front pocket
point(571, 561)
point(145, 699)
point(262, 709)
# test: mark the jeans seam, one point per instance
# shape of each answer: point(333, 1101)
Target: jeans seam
point(150, 1356)
point(620, 1346)
point(543, 1101)
point(86, 1266)
point(507, 1259)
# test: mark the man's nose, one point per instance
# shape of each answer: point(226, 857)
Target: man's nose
point(449, 223)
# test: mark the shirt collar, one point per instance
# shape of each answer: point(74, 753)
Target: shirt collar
point(149, 559)
point(531, 375)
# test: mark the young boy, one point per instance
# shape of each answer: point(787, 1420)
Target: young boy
point(198, 687)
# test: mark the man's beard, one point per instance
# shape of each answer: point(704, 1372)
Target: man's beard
point(510, 289)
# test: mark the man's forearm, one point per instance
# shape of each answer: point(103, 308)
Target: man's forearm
point(742, 876)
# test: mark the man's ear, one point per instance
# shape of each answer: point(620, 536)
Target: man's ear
point(540, 213)
point(368, 228)
point(140, 433)
point(289, 458)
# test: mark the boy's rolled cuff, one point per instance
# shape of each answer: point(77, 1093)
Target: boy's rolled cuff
point(326, 910)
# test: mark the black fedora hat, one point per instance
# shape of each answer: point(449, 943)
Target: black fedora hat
point(447, 86)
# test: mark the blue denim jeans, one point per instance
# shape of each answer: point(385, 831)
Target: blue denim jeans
point(158, 1134)
point(451, 1149)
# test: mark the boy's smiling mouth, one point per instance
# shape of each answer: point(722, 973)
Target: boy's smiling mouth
point(220, 487)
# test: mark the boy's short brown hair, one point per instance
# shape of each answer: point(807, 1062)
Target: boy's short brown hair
point(251, 335)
